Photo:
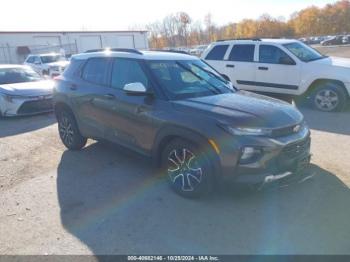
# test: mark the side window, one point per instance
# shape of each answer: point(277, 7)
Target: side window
point(37, 60)
point(242, 53)
point(217, 53)
point(126, 71)
point(273, 55)
point(30, 60)
point(95, 71)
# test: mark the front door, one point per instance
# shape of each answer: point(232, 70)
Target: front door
point(276, 71)
point(129, 117)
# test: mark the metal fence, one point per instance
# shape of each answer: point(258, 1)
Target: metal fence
point(17, 54)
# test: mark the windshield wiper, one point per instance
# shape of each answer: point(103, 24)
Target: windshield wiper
point(217, 90)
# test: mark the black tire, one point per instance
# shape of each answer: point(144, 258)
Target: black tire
point(69, 132)
point(329, 97)
point(183, 156)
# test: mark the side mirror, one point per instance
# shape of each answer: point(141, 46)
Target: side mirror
point(286, 61)
point(225, 77)
point(37, 63)
point(136, 89)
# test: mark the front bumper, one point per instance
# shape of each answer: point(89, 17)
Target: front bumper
point(282, 157)
point(22, 106)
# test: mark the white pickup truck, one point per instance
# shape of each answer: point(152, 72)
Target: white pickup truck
point(284, 67)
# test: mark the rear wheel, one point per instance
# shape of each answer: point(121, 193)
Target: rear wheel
point(187, 168)
point(69, 132)
point(329, 97)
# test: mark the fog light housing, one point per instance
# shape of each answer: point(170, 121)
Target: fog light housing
point(249, 155)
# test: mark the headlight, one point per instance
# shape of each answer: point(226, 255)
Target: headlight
point(248, 131)
point(8, 98)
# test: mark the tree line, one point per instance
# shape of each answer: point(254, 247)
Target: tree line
point(180, 30)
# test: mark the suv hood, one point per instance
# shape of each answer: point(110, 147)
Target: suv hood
point(43, 87)
point(245, 109)
point(334, 61)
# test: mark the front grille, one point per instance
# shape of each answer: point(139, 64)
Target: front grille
point(290, 156)
point(37, 106)
point(296, 149)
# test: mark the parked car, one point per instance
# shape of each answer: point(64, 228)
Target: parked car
point(283, 67)
point(335, 40)
point(23, 91)
point(198, 50)
point(182, 113)
point(346, 40)
point(47, 64)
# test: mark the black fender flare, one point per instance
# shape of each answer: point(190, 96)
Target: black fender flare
point(168, 133)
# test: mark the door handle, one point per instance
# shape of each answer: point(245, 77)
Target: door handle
point(109, 96)
point(263, 68)
point(231, 66)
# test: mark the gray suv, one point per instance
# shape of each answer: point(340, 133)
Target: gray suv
point(179, 111)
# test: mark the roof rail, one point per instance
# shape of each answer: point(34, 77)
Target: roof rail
point(171, 51)
point(126, 50)
point(252, 39)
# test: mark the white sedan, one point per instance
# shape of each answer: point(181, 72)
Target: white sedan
point(23, 91)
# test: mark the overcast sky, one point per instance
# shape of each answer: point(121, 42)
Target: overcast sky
point(126, 14)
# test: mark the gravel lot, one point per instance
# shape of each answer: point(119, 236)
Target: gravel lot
point(340, 51)
point(107, 200)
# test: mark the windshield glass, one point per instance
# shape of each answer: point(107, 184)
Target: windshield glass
point(188, 79)
point(17, 75)
point(304, 52)
point(51, 58)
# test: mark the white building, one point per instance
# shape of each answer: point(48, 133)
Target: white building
point(15, 46)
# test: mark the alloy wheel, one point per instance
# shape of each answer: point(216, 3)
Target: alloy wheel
point(66, 130)
point(184, 169)
point(326, 100)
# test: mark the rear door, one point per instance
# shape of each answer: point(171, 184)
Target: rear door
point(276, 71)
point(240, 65)
point(91, 95)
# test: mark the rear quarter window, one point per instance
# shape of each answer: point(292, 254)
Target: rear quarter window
point(74, 68)
point(217, 53)
point(96, 70)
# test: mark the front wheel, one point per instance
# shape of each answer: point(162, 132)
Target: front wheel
point(329, 97)
point(187, 168)
point(69, 132)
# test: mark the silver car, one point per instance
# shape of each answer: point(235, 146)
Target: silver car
point(23, 91)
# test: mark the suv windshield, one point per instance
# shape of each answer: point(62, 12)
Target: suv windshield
point(188, 79)
point(17, 75)
point(304, 52)
point(51, 58)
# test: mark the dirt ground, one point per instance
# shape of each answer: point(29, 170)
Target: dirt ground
point(340, 51)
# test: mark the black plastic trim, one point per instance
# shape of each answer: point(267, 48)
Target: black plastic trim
point(264, 84)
